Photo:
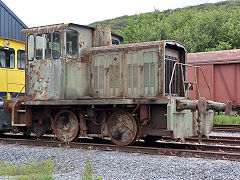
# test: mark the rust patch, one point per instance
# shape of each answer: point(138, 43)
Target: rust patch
point(80, 67)
point(144, 113)
point(32, 86)
point(86, 56)
point(91, 80)
point(81, 44)
point(161, 71)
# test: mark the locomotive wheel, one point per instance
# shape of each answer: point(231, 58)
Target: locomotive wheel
point(66, 126)
point(122, 128)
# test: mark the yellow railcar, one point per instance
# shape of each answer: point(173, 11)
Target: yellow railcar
point(12, 65)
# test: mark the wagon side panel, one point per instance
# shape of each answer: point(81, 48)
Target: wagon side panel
point(226, 83)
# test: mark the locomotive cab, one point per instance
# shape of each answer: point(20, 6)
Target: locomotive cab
point(56, 51)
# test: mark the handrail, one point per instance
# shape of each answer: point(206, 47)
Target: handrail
point(206, 83)
point(19, 93)
point(188, 65)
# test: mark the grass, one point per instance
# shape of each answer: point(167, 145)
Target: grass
point(35, 177)
point(34, 170)
point(30, 170)
point(222, 119)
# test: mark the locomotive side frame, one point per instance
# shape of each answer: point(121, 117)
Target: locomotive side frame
point(109, 90)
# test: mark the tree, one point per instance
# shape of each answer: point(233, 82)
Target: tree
point(199, 30)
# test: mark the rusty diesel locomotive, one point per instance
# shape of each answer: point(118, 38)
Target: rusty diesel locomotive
point(81, 82)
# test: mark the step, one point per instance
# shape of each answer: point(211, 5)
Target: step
point(19, 125)
point(21, 110)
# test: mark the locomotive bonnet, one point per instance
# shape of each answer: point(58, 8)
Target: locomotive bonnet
point(81, 82)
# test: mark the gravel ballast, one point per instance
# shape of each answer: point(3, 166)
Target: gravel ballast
point(119, 165)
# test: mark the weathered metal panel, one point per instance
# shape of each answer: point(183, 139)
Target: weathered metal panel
point(106, 71)
point(10, 24)
point(158, 117)
point(45, 80)
point(133, 77)
point(119, 71)
point(85, 37)
point(77, 79)
point(150, 72)
point(95, 101)
point(214, 57)
point(45, 77)
point(114, 74)
point(184, 123)
point(102, 36)
point(98, 73)
point(77, 71)
point(139, 69)
point(226, 83)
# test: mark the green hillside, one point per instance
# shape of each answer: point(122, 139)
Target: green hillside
point(119, 23)
point(204, 27)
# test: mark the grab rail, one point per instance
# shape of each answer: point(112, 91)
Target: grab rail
point(196, 78)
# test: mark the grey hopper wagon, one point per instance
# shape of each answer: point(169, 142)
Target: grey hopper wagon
point(78, 83)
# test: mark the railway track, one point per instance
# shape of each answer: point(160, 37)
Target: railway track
point(226, 128)
point(220, 140)
point(167, 147)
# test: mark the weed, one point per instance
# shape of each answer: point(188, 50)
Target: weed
point(67, 145)
point(88, 174)
point(63, 163)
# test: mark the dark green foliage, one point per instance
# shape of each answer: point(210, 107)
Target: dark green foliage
point(223, 119)
point(116, 24)
point(204, 27)
point(204, 30)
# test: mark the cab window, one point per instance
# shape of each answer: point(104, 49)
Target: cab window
point(47, 45)
point(39, 46)
point(30, 47)
point(21, 59)
point(7, 57)
point(56, 45)
point(72, 44)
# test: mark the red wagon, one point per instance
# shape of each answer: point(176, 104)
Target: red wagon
point(222, 72)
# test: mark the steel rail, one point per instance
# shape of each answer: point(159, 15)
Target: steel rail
point(233, 141)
